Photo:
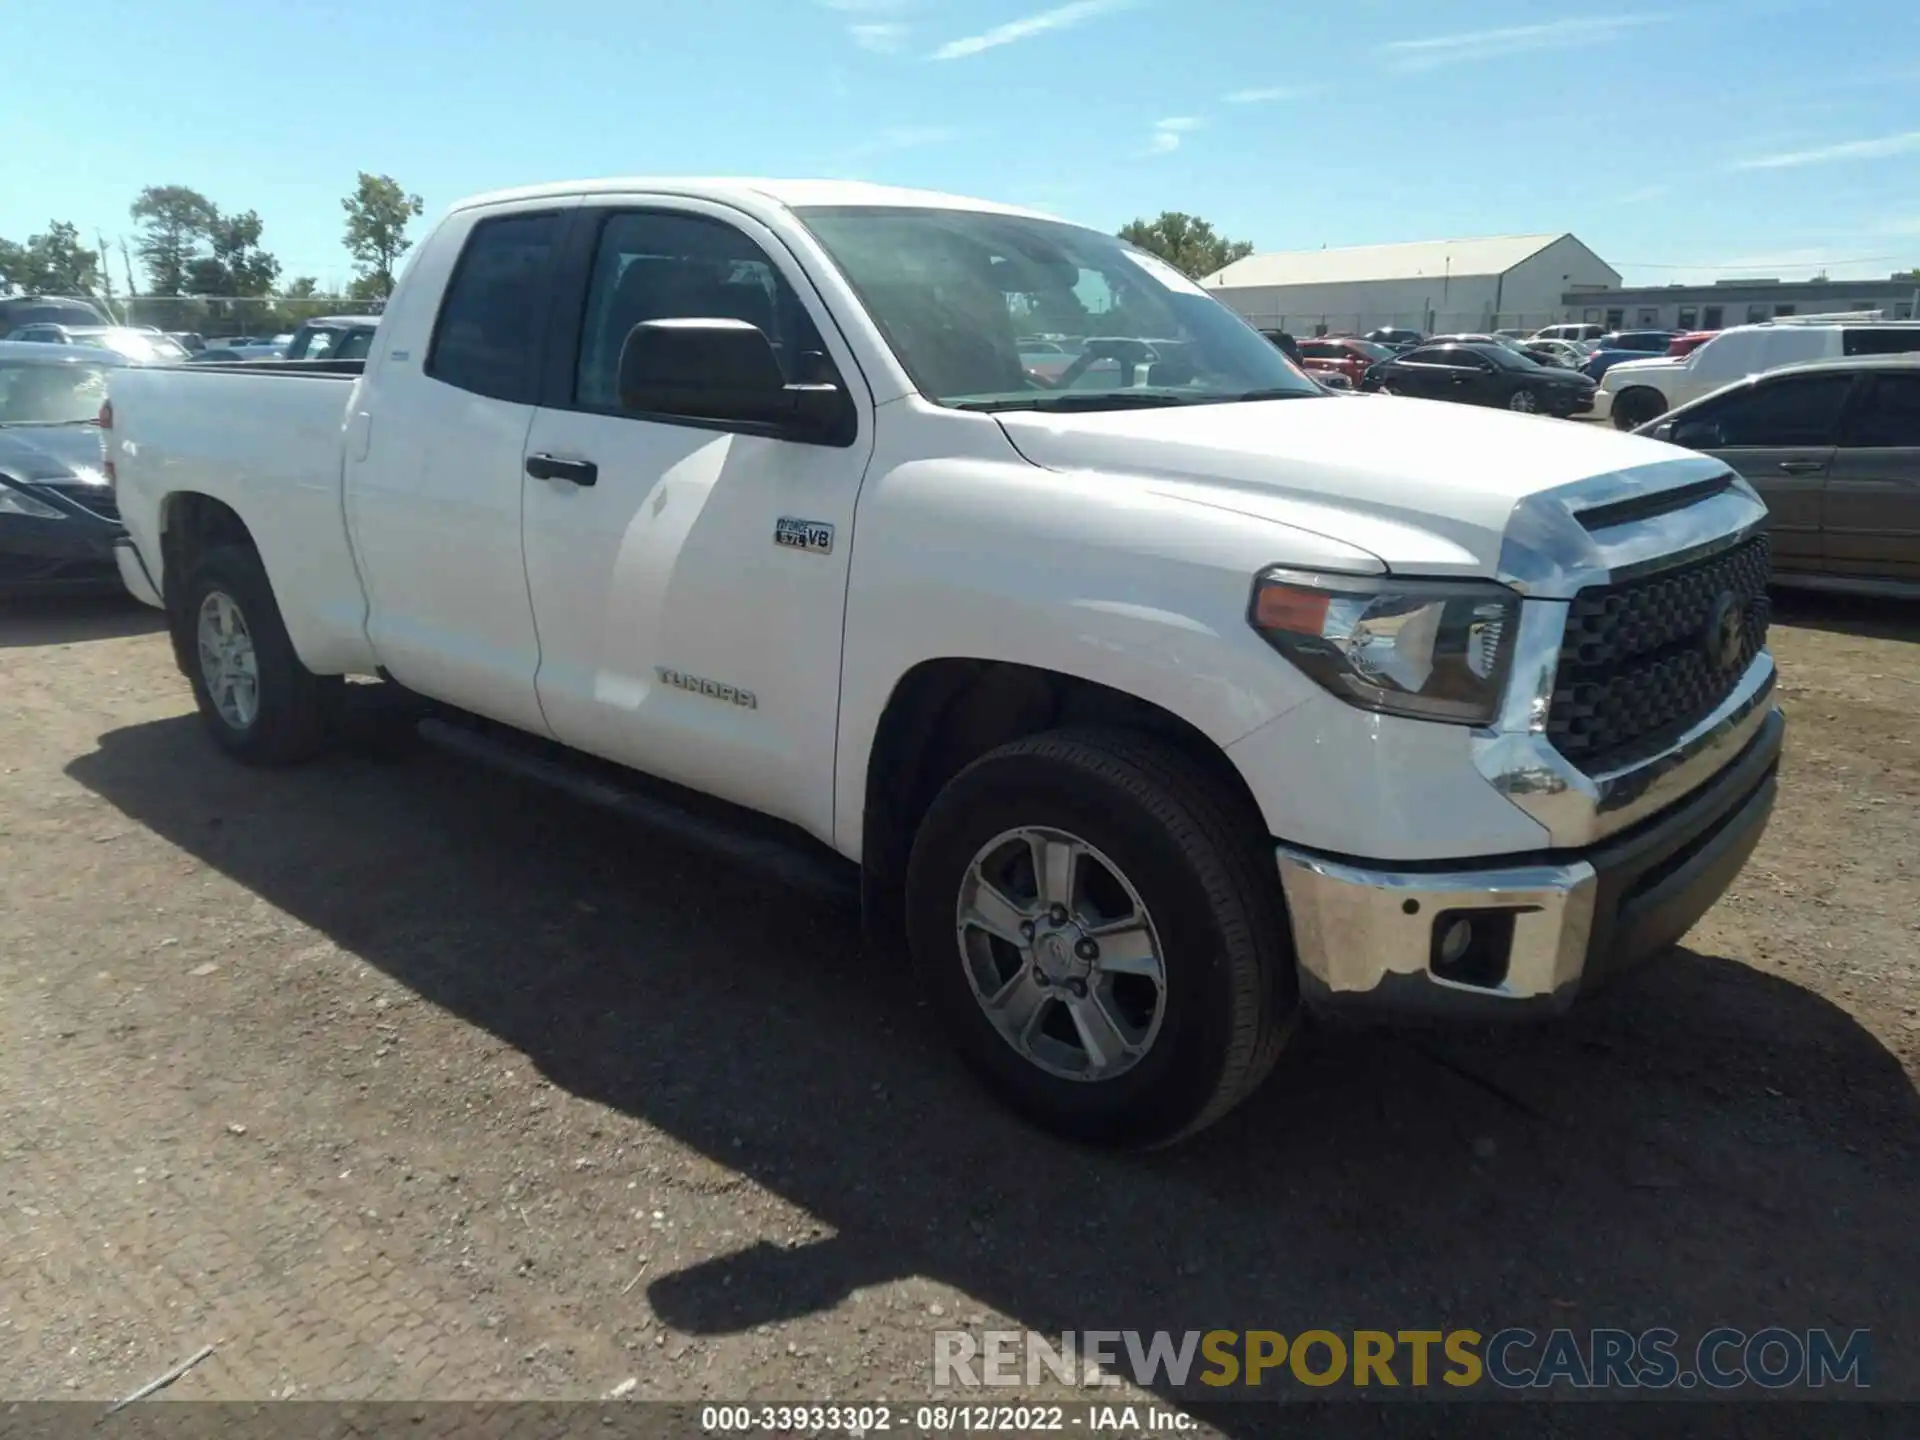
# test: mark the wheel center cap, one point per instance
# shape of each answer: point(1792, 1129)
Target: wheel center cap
point(1055, 956)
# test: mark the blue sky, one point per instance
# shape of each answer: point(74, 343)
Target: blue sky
point(1680, 140)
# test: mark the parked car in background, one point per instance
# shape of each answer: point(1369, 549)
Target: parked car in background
point(1141, 714)
point(1636, 391)
point(1690, 341)
point(1483, 374)
point(145, 347)
point(236, 349)
point(1395, 338)
point(348, 337)
point(1569, 332)
point(190, 341)
point(21, 310)
point(1343, 355)
point(1619, 346)
point(58, 519)
point(1566, 354)
point(1833, 447)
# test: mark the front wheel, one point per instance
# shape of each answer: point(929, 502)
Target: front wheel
point(257, 701)
point(1634, 408)
point(1096, 922)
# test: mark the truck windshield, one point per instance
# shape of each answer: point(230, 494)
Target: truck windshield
point(50, 394)
point(963, 296)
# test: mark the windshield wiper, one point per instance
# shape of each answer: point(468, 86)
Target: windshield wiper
point(1087, 400)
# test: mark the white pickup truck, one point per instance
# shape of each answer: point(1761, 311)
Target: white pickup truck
point(1151, 701)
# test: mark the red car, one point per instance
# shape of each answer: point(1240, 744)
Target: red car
point(1343, 355)
point(1691, 341)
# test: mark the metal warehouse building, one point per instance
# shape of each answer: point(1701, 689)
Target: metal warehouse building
point(1436, 286)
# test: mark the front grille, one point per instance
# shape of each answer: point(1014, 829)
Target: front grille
point(1644, 661)
point(95, 499)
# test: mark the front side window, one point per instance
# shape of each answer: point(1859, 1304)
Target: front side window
point(655, 265)
point(487, 337)
point(1890, 418)
point(952, 290)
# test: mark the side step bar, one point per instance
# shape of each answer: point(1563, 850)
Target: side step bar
point(750, 842)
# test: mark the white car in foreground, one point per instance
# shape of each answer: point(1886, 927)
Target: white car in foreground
point(1147, 701)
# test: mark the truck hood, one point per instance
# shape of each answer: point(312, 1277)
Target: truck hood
point(1425, 486)
point(39, 453)
point(1624, 368)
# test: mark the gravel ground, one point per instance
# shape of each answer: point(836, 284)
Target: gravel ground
point(394, 1078)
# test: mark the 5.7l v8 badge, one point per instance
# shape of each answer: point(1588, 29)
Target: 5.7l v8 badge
point(813, 536)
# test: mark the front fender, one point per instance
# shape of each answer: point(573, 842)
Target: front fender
point(1084, 575)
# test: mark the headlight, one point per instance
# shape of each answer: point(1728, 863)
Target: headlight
point(18, 502)
point(1430, 649)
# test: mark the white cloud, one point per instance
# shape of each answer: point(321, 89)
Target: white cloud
point(1270, 94)
point(1439, 50)
point(1875, 149)
point(1061, 17)
point(883, 37)
point(1168, 133)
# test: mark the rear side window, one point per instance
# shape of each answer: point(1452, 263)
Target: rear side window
point(487, 338)
point(1890, 416)
point(1891, 340)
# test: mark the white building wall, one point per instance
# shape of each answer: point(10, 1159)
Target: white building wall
point(1530, 293)
point(1433, 304)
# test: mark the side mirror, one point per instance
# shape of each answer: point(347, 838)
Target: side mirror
point(1697, 435)
point(724, 369)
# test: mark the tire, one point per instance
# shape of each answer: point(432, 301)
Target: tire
point(1634, 408)
point(292, 712)
point(1196, 858)
point(1524, 401)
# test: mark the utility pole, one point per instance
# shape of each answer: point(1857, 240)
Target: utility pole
point(106, 277)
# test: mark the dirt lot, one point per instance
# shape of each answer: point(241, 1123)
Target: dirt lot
point(395, 1078)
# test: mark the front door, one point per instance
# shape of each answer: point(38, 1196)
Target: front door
point(690, 586)
point(1873, 495)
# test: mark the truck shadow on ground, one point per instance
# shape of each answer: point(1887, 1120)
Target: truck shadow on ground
point(57, 620)
point(1706, 1144)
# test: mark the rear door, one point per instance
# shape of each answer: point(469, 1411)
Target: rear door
point(433, 465)
point(690, 590)
point(1873, 495)
point(1780, 434)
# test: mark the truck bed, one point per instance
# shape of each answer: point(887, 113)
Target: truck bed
point(264, 438)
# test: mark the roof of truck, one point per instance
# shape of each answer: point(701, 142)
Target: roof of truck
point(791, 193)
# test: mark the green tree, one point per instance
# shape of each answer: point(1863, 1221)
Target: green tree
point(175, 222)
point(378, 213)
point(1186, 242)
point(236, 265)
point(53, 262)
point(301, 287)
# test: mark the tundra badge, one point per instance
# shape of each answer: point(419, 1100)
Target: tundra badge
point(712, 690)
point(813, 536)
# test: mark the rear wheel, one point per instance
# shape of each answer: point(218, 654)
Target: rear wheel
point(258, 702)
point(1634, 408)
point(1524, 401)
point(1096, 922)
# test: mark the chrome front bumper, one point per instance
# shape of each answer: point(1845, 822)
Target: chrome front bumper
point(1367, 937)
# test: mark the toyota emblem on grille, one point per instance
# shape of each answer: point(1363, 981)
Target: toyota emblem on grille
point(1725, 632)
